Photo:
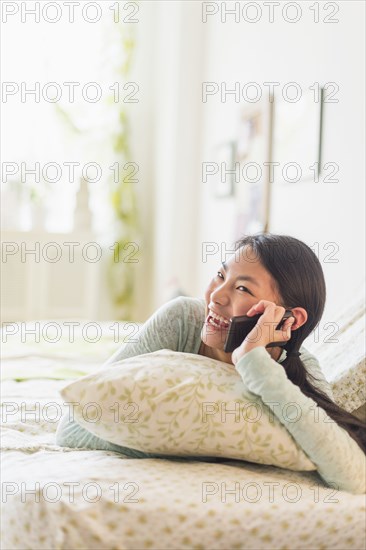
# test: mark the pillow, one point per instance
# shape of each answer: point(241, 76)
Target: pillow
point(182, 404)
point(341, 352)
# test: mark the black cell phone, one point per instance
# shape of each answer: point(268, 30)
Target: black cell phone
point(241, 326)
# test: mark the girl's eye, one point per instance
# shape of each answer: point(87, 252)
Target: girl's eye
point(245, 288)
point(241, 287)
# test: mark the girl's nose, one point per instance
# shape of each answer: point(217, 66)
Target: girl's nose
point(220, 296)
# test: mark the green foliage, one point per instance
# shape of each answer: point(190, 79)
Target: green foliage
point(122, 194)
point(121, 191)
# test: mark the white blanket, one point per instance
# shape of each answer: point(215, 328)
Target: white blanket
point(64, 498)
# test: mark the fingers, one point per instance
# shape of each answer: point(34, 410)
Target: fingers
point(268, 309)
point(259, 307)
point(272, 315)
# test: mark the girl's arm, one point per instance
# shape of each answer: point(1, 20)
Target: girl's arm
point(338, 458)
point(170, 327)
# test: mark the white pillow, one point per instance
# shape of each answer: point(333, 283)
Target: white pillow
point(179, 404)
point(341, 352)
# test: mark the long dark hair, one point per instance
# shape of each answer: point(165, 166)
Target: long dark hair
point(300, 283)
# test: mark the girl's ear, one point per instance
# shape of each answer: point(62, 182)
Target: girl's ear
point(300, 315)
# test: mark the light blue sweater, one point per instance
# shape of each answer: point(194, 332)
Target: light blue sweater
point(177, 326)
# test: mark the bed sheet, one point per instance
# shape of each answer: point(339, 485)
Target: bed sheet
point(61, 350)
point(63, 498)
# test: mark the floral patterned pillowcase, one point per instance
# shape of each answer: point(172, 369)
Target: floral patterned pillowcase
point(182, 404)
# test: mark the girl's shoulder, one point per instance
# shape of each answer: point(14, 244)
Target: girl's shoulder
point(186, 307)
point(178, 324)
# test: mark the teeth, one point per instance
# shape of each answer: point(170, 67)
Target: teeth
point(222, 320)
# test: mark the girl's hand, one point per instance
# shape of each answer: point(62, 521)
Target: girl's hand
point(264, 331)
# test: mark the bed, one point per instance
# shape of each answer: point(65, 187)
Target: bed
point(64, 498)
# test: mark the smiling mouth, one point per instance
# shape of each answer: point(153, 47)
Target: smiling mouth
point(216, 323)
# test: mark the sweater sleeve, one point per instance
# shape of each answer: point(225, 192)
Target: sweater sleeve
point(338, 458)
point(176, 325)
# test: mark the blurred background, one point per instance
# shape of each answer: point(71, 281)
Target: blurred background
point(141, 139)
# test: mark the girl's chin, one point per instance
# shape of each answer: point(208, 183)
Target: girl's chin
point(213, 337)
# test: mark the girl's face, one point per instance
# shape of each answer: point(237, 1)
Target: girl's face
point(239, 283)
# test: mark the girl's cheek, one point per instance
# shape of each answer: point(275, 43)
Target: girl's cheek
point(209, 290)
point(244, 306)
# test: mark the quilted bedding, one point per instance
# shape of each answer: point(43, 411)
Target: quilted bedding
point(63, 498)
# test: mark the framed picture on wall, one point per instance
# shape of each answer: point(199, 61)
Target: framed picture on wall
point(297, 137)
point(253, 151)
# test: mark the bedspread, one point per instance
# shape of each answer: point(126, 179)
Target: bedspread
point(54, 497)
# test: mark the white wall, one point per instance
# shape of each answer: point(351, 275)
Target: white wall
point(304, 52)
point(173, 132)
point(178, 51)
point(172, 53)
